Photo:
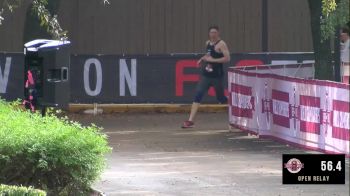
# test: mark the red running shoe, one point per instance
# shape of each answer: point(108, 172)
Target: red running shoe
point(187, 124)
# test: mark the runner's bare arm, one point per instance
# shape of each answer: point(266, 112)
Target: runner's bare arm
point(206, 55)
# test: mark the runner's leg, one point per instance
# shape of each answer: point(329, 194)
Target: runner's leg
point(219, 90)
point(202, 88)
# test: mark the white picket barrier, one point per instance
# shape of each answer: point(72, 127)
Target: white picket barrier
point(310, 113)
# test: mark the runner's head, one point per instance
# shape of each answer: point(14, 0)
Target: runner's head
point(344, 36)
point(214, 33)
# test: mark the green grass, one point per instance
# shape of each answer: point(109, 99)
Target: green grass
point(19, 191)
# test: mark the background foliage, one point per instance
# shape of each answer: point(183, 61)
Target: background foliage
point(39, 8)
point(334, 15)
point(52, 154)
point(6, 190)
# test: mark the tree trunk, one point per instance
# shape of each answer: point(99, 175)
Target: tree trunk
point(322, 49)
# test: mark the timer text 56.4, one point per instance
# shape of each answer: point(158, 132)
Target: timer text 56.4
point(329, 166)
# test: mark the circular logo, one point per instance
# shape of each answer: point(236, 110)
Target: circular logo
point(294, 165)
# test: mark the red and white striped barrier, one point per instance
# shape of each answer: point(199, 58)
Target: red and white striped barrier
point(310, 113)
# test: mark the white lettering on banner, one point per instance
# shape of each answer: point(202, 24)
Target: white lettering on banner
point(310, 114)
point(4, 76)
point(130, 78)
point(280, 108)
point(242, 101)
point(98, 68)
point(341, 119)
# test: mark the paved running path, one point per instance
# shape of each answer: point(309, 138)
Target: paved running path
point(153, 156)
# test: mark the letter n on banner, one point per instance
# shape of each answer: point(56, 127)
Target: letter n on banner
point(310, 113)
point(242, 101)
point(280, 108)
point(341, 120)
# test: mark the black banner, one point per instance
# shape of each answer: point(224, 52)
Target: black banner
point(134, 79)
point(313, 169)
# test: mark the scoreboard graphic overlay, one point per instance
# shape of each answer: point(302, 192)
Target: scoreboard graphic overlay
point(313, 169)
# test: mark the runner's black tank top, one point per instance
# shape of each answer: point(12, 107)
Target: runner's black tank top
point(215, 70)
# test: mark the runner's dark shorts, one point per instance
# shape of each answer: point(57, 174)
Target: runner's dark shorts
point(205, 83)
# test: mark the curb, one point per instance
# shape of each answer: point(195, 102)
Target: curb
point(161, 108)
point(96, 192)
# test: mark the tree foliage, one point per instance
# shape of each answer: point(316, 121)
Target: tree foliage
point(335, 14)
point(39, 8)
point(322, 48)
point(47, 20)
point(327, 16)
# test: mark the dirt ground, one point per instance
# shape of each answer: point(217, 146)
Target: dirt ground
point(152, 155)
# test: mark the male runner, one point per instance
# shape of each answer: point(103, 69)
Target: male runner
point(212, 73)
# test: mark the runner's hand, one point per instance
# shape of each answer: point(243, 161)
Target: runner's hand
point(199, 62)
point(208, 58)
point(203, 58)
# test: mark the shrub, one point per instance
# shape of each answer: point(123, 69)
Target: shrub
point(49, 153)
point(19, 191)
